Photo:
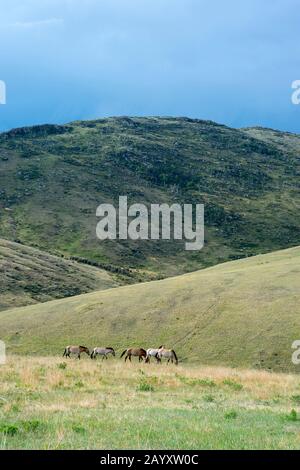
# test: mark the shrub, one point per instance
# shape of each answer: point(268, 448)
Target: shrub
point(15, 408)
point(31, 425)
point(208, 398)
point(62, 365)
point(78, 429)
point(79, 384)
point(233, 384)
point(230, 414)
point(42, 370)
point(9, 429)
point(145, 386)
point(203, 382)
point(292, 416)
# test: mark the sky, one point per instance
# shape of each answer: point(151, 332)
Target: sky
point(229, 61)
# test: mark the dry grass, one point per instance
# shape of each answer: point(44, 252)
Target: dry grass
point(207, 407)
point(45, 374)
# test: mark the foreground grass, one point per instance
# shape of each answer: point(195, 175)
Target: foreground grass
point(46, 403)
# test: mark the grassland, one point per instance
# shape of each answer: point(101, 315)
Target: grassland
point(241, 313)
point(30, 276)
point(46, 403)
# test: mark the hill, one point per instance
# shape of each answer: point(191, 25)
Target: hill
point(240, 313)
point(52, 178)
point(30, 276)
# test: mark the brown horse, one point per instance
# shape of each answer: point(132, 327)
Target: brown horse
point(75, 350)
point(140, 352)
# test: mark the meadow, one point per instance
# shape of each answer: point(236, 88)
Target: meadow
point(243, 313)
point(51, 403)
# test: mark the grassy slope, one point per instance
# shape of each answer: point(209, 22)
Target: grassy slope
point(48, 404)
point(242, 313)
point(52, 178)
point(29, 276)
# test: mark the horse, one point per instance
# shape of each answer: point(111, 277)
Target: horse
point(75, 350)
point(104, 352)
point(153, 353)
point(140, 352)
point(169, 354)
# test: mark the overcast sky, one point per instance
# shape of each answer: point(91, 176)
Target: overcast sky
point(231, 61)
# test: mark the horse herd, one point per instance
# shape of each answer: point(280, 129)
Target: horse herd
point(158, 353)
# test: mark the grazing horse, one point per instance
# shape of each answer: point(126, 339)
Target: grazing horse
point(75, 350)
point(140, 352)
point(153, 353)
point(169, 354)
point(104, 352)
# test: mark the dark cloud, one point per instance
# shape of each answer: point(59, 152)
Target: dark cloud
point(231, 61)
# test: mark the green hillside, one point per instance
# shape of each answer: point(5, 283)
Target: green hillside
point(240, 313)
point(29, 276)
point(52, 178)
